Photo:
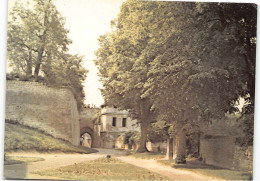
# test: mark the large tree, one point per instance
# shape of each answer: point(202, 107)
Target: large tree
point(122, 74)
point(190, 62)
point(38, 45)
point(205, 63)
point(35, 31)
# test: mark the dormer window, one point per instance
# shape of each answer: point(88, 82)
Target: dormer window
point(124, 122)
point(114, 121)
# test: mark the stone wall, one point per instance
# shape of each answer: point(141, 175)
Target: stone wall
point(86, 121)
point(159, 147)
point(108, 139)
point(222, 152)
point(53, 110)
point(86, 117)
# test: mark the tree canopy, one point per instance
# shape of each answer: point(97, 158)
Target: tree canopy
point(186, 62)
point(38, 46)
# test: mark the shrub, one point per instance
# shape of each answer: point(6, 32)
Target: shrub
point(131, 137)
point(12, 76)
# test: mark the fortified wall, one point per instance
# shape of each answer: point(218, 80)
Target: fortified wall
point(86, 117)
point(50, 109)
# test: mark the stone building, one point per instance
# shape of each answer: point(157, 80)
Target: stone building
point(113, 123)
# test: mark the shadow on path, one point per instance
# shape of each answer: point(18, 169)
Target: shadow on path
point(15, 171)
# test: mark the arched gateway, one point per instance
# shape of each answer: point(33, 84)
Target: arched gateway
point(88, 141)
point(87, 125)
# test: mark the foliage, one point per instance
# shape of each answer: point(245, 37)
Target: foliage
point(96, 118)
point(157, 134)
point(196, 66)
point(34, 34)
point(190, 62)
point(37, 41)
point(246, 123)
point(67, 71)
point(131, 137)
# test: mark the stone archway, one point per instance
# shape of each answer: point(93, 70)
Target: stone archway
point(90, 132)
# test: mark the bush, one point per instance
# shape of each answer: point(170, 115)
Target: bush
point(246, 123)
point(40, 79)
point(12, 76)
point(131, 137)
point(24, 78)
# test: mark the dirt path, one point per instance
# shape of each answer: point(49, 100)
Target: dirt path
point(52, 161)
point(172, 173)
point(56, 160)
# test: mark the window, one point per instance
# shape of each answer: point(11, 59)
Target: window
point(124, 122)
point(114, 121)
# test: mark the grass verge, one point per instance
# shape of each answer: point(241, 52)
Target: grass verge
point(148, 155)
point(9, 160)
point(23, 138)
point(102, 169)
point(209, 170)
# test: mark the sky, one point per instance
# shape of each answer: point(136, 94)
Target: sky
point(86, 20)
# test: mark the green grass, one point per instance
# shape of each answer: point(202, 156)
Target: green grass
point(209, 170)
point(22, 138)
point(9, 160)
point(148, 155)
point(102, 169)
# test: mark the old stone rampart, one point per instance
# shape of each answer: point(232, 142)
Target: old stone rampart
point(223, 152)
point(50, 109)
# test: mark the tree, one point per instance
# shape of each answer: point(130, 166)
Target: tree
point(34, 34)
point(121, 75)
point(198, 66)
point(38, 42)
point(190, 62)
point(66, 70)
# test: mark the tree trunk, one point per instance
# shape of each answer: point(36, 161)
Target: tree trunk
point(29, 64)
point(198, 154)
point(180, 147)
point(145, 116)
point(38, 62)
point(42, 46)
point(175, 147)
point(144, 130)
point(169, 154)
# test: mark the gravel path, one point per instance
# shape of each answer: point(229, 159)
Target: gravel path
point(167, 171)
point(52, 161)
point(56, 160)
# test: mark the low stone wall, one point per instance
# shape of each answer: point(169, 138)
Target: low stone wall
point(243, 159)
point(160, 147)
point(108, 139)
point(53, 110)
point(222, 152)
